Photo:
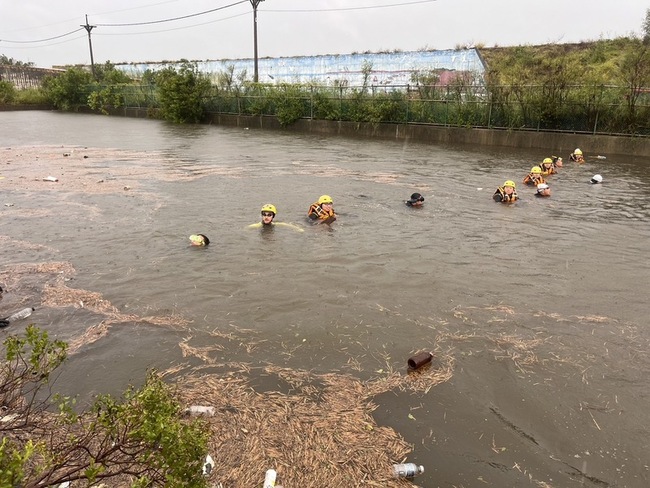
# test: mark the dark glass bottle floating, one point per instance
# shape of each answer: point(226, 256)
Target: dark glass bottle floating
point(419, 360)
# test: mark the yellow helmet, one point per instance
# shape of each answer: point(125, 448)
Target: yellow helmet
point(547, 161)
point(199, 240)
point(578, 152)
point(510, 183)
point(269, 208)
point(536, 170)
point(325, 199)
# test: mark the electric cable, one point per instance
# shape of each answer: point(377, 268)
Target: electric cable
point(43, 40)
point(102, 34)
point(174, 18)
point(48, 45)
point(347, 8)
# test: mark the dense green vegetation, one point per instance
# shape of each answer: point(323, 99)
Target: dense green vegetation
point(140, 440)
point(568, 85)
point(596, 87)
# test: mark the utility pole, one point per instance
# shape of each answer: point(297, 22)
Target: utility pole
point(90, 44)
point(254, 3)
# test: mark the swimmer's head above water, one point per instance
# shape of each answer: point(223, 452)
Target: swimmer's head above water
point(199, 240)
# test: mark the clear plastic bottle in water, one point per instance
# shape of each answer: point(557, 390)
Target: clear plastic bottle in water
point(269, 479)
point(200, 410)
point(407, 470)
point(22, 314)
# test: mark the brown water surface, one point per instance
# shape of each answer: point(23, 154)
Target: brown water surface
point(542, 304)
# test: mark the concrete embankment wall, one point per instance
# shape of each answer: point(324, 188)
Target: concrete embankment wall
point(14, 108)
point(561, 144)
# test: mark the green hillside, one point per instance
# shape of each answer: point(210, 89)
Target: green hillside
point(608, 61)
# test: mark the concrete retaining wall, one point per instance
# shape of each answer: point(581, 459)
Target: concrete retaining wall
point(9, 108)
point(561, 143)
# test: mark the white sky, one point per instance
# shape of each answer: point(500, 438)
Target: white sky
point(298, 27)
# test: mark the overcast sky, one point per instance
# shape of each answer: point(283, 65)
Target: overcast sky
point(296, 27)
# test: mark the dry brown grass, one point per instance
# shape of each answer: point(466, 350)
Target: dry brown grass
point(319, 433)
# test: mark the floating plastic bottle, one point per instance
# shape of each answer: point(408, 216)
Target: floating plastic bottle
point(419, 360)
point(200, 410)
point(407, 470)
point(601, 157)
point(22, 314)
point(269, 479)
point(208, 465)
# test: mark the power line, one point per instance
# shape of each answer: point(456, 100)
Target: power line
point(174, 18)
point(95, 13)
point(47, 45)
point(135, 8)
point(207, 12)
point(170, 30)
point(348, 8)
point(135, 23)
point(42, 40)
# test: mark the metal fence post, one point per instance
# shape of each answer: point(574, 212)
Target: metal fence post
point(447, 108)
point(489, 124)
point(311, 103)
point(408, 102)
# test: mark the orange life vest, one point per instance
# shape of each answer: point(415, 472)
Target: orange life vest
point(505, 198)
point(316, 212)
point(548, 170)
point(533, 179)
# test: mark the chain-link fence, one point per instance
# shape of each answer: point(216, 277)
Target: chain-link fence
point(599, 109)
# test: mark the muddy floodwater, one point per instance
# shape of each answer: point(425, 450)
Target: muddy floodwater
point(541, 306)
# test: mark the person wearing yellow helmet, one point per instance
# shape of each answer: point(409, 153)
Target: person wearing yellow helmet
point(577, 156)
point(322, 211)
point(506, 193)
point(535, 177)
point(548, 168)
point(269, 212)
point(199, 240)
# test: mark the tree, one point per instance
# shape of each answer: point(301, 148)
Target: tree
point(109, 90)
point(70, 90)
point(646, 28)
point(182, 92)
point(7, 61)
point(7, 91)
point(289, 103)
point(108, 74)
point(139, 440)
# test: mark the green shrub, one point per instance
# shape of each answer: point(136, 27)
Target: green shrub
point(69, 90)
point(289, 103)
point(325, 106)
point(142, 436)
point(31, 96)
point(7, 92)
point(181, 93)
